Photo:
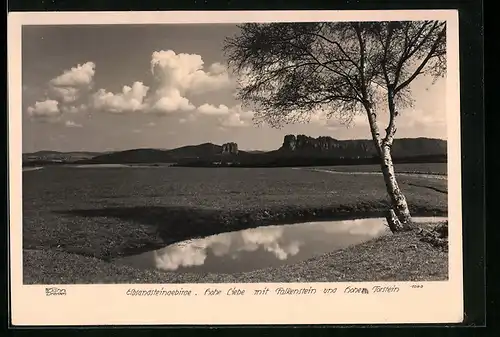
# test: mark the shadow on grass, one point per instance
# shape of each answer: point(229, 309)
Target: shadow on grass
point(174, 224)
point(180, 223)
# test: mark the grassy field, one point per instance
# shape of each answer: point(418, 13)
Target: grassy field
point(422, 168)
point(401, 257)
point(104, 213)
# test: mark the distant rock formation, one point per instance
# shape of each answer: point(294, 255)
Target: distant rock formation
point(295, 151)
point(230, 148)
point(302, 142)
point(360, 148)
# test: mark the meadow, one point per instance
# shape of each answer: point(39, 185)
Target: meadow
point(100, 214)
point(419, 168)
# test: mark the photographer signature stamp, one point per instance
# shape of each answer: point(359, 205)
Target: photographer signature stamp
point(54, 291)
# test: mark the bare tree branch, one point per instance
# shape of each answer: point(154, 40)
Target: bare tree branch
point(297, 68)
point(419, 69)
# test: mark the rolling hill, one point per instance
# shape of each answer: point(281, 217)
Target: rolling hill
point(47, 155)
point(295, 150)
point(206, 151)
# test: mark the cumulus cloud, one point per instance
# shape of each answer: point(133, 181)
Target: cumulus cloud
point(72, 109)
point(63, 92)
point(189, 119)
point(71, 124)
point(426, 117)
point(217, 69)
point(45, 109)
point(179, 75)
point(185, 72)
point(175, 77)
point(410, 123)
point(238, 117)
point(233, 121)
point(129, 100)
point(77, 76)
point(422, 118)
point(358, 120)
point(209, 109)
point(235, 116)
point(69, 86)
point(170, 100)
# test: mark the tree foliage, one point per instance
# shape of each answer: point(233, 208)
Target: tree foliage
point(289, 71)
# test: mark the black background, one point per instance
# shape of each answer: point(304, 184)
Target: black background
point(473, 164)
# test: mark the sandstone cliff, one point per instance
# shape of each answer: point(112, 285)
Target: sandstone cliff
point(230, 148)
point(359, 148)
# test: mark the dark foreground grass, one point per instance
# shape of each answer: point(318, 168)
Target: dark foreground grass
point(111, 212)
point(400, 257)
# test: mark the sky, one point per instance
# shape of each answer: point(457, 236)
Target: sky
point(117, 87)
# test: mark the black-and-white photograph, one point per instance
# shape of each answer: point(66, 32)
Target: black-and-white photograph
point(235, 153)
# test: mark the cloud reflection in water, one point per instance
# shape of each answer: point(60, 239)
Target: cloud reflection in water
point(194, 252)
point(261, 247)
point(282, 242)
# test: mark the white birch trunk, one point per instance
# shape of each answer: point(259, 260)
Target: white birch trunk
point(398, 217)
point(398, 200)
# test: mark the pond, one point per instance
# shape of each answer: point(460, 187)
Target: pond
point(262, 247)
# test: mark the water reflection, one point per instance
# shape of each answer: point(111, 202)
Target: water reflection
point(261, 247)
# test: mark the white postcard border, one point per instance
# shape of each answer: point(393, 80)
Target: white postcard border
point(436, 302)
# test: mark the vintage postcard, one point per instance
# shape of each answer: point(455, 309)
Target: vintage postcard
point(235, 168)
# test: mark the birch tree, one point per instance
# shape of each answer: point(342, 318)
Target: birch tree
point(290, 72)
